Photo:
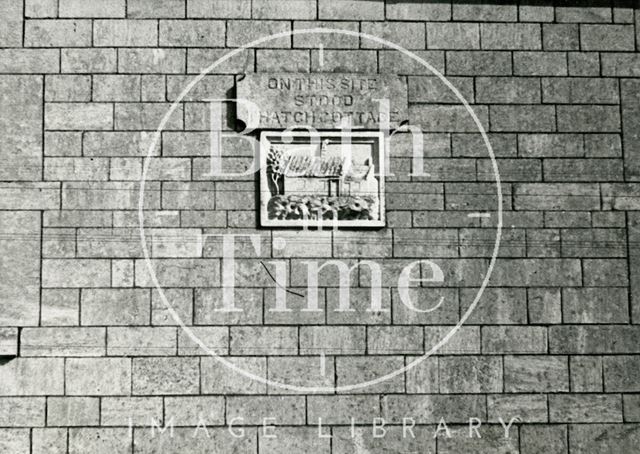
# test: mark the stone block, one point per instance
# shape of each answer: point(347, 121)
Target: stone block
point(159, 376)
point(470, 374)
point(241, 32)
point(350, 10)
point(73, 411)
point(536, 374)
point(191, 33)
point(21, 126)
point(125, 33)
point(32, 377)
point(100, 8)
point(20, 268)
point(62, 341)
point(296, 9)
point(57, 33)
point(98, 376)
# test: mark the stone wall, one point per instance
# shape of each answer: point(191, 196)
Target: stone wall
point(88, 347)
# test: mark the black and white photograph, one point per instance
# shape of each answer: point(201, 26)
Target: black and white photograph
point(319, 227)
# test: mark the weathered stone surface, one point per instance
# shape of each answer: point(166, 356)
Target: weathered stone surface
point(25, 61)
point(409, 10)
point(594, 339)
point(11, 23)
point(630, 90)
point(466, 341)
point(328, 40)
point(585, 408)
point(102, 8)
point(422, 438)
point(22, 411)
point(15, 441)
point(301, 371)
point(215, 338)
point(8, 342)
point(77, 60)
point(21, 127)
point(264, 341)
point(32, 377)
point(554, 339)
point(595, 305)
point(149, 9)
point(538, 438)
point(253, 409)
point(99, 440)
point(603, 438)
point(351, 9)
point(63, 341)
point(514, 339)
point(141, 341)
point(323, 100)
point(428, 409)
point(125, 33)
point(530, 408)
point(72, 116)
point(117, 411)
point(75, 273)
point(536, 374)
point(332, 340)
point(217, 439)
point(20, 268)
point(49, 440)
point(158, 376)
point(57, 33)
point(191, 410)
point(222, 9)
point(470, 374)
point(73, 411)
point(294, 439)
point(340, 409)
point(633, 233)
point(351, 370)
point(620, 373)
point(296, 9)
point(98, 376)
point(115, 307)
point(493, 441)
point(218, 378)
point(193, 33)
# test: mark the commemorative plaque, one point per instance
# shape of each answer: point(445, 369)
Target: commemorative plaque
point(332, 180)
point(324, 100)
point(328, 168)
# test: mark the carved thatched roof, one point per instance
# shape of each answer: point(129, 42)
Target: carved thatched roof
point(314, 166)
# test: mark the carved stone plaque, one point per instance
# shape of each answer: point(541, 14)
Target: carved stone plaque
point(324, 100)
point(333, 180)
